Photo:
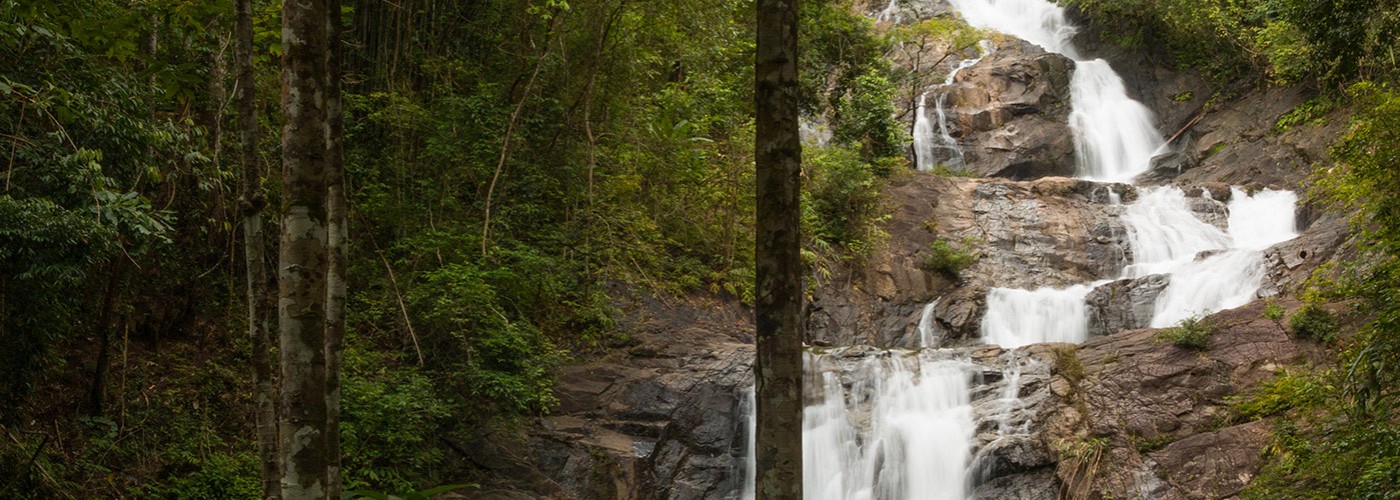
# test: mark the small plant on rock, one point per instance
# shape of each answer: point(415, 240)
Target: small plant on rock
point(1314, 322)
point(1192, 333)
point(950, 259)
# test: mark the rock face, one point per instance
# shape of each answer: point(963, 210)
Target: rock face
point(1050, 232)
point(1122, 416)
point(1147, 414)
point(1010, 113)
point(1241, 144)
point(658, 419)
point(1124, 304)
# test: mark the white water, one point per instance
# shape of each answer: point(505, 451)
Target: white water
point(1231, 271)
point(891, 13)
point(924, 140)
point(927, 141)
point(918, 442)
point(1114, 138)
point(1165, 234)
point(1018, 318)
point(1113, 135)
point(927, 327)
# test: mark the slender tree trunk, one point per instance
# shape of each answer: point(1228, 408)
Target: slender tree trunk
point(778, 305)
point(98, 395)
point(303, 264)
point(338, 233)
point(260, 293)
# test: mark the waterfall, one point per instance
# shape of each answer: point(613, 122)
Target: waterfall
point(1018, 318)
point(1228, 274)
point(1113, 135)
point(917, 443)
point(924, 140)
point(927, 141)
point(896, 425)
point(1165, 234)
point(926, 326)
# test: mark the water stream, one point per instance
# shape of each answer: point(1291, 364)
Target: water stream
point(900, 424)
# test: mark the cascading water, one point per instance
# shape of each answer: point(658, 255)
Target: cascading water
point(1113, 134)
point(1210, 273)
point(1018, 318)
point(917, 443)
point(932, 147)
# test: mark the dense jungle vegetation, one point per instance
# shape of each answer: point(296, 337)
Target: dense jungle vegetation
point(515, 167)
point(1337, 429)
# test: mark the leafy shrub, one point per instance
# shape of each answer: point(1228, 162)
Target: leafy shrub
point(949, 259)
point(1314, 322)
point(1287, 390)
point(1273, 311)
point(391, 417)
point(1192, 333)
point(843, 198)
point(219, 476)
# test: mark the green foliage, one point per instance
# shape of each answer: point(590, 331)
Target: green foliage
point(219, 476)
point(1314, 322)
point(1308, 113)
point(1286, 391)
point(1067, 364)
point(841, 202)
point(1273, 311)
point(1334, 41)
point(951, 259)
point(1192, 333)
point(426, 494)
point(1341, 439)
point(392, 416)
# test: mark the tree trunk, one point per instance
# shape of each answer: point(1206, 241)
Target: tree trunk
point(303, 264)
point(97, 397)
point(260, 295)
point(778, 304)
point(338, 233)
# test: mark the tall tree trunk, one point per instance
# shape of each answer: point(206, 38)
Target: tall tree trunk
point(302, 294)
point(260, 294)
point(338, 233)
point(778, 306)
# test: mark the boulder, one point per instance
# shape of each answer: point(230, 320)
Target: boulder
point(1010, 113)
point(1126, 304)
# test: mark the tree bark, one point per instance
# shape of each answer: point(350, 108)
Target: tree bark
point(303, 431)
point(338, 234)
point(778, 304)
point(260, 293)
point(97, 397)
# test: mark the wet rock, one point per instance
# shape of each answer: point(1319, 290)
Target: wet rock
point(1124, 304)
